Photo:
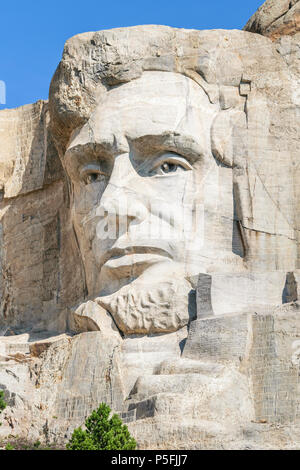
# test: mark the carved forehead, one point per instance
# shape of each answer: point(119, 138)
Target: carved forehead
point(94, 62)
point(157, 103)
point(154, 86)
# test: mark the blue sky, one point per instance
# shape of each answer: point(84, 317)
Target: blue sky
point(33, 33)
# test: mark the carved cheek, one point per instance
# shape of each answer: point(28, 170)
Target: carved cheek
point(87, 197)
point(84, 211)
point(170, 203)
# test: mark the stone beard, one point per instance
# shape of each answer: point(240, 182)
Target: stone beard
point(144, 158)
point(156, 308)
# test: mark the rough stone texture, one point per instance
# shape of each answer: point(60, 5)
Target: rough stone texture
point(240, 390)
point(280, 21)
point(263, 344)
point(276, 18)
point(196, 346)
point(39, 259)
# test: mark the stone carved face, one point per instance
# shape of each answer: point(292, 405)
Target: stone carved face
point(179, 161)
point(146, 199)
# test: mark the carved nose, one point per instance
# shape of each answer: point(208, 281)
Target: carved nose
point(122, 203)
point(120, 199)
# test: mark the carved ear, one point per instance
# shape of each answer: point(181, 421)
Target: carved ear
point(224, 131)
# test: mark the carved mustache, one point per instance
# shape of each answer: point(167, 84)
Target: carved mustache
point(117, 252)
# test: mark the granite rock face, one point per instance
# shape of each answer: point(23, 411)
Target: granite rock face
point(39, 261)
point(149, 238)
point(276, 18)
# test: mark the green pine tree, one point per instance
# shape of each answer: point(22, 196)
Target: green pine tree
point(102, 433)
point(2, 402)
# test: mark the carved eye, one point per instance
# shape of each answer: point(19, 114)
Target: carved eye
point(171, 163)
point(91, 173)
point(93, 177)
point(169, 167)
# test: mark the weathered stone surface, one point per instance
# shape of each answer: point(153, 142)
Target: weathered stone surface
point(187, 326)
point(29, 159)
point(276, 18)
point(225, 390)
point(280, 21)
point(40, 268)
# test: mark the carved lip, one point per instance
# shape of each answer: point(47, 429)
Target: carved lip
point(118, 253)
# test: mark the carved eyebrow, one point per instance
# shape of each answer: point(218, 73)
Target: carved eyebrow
point(186, 145)
point(80, 154)
point(91, 149)
point(145, 146)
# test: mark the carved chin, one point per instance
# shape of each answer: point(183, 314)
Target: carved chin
point(142, 309)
